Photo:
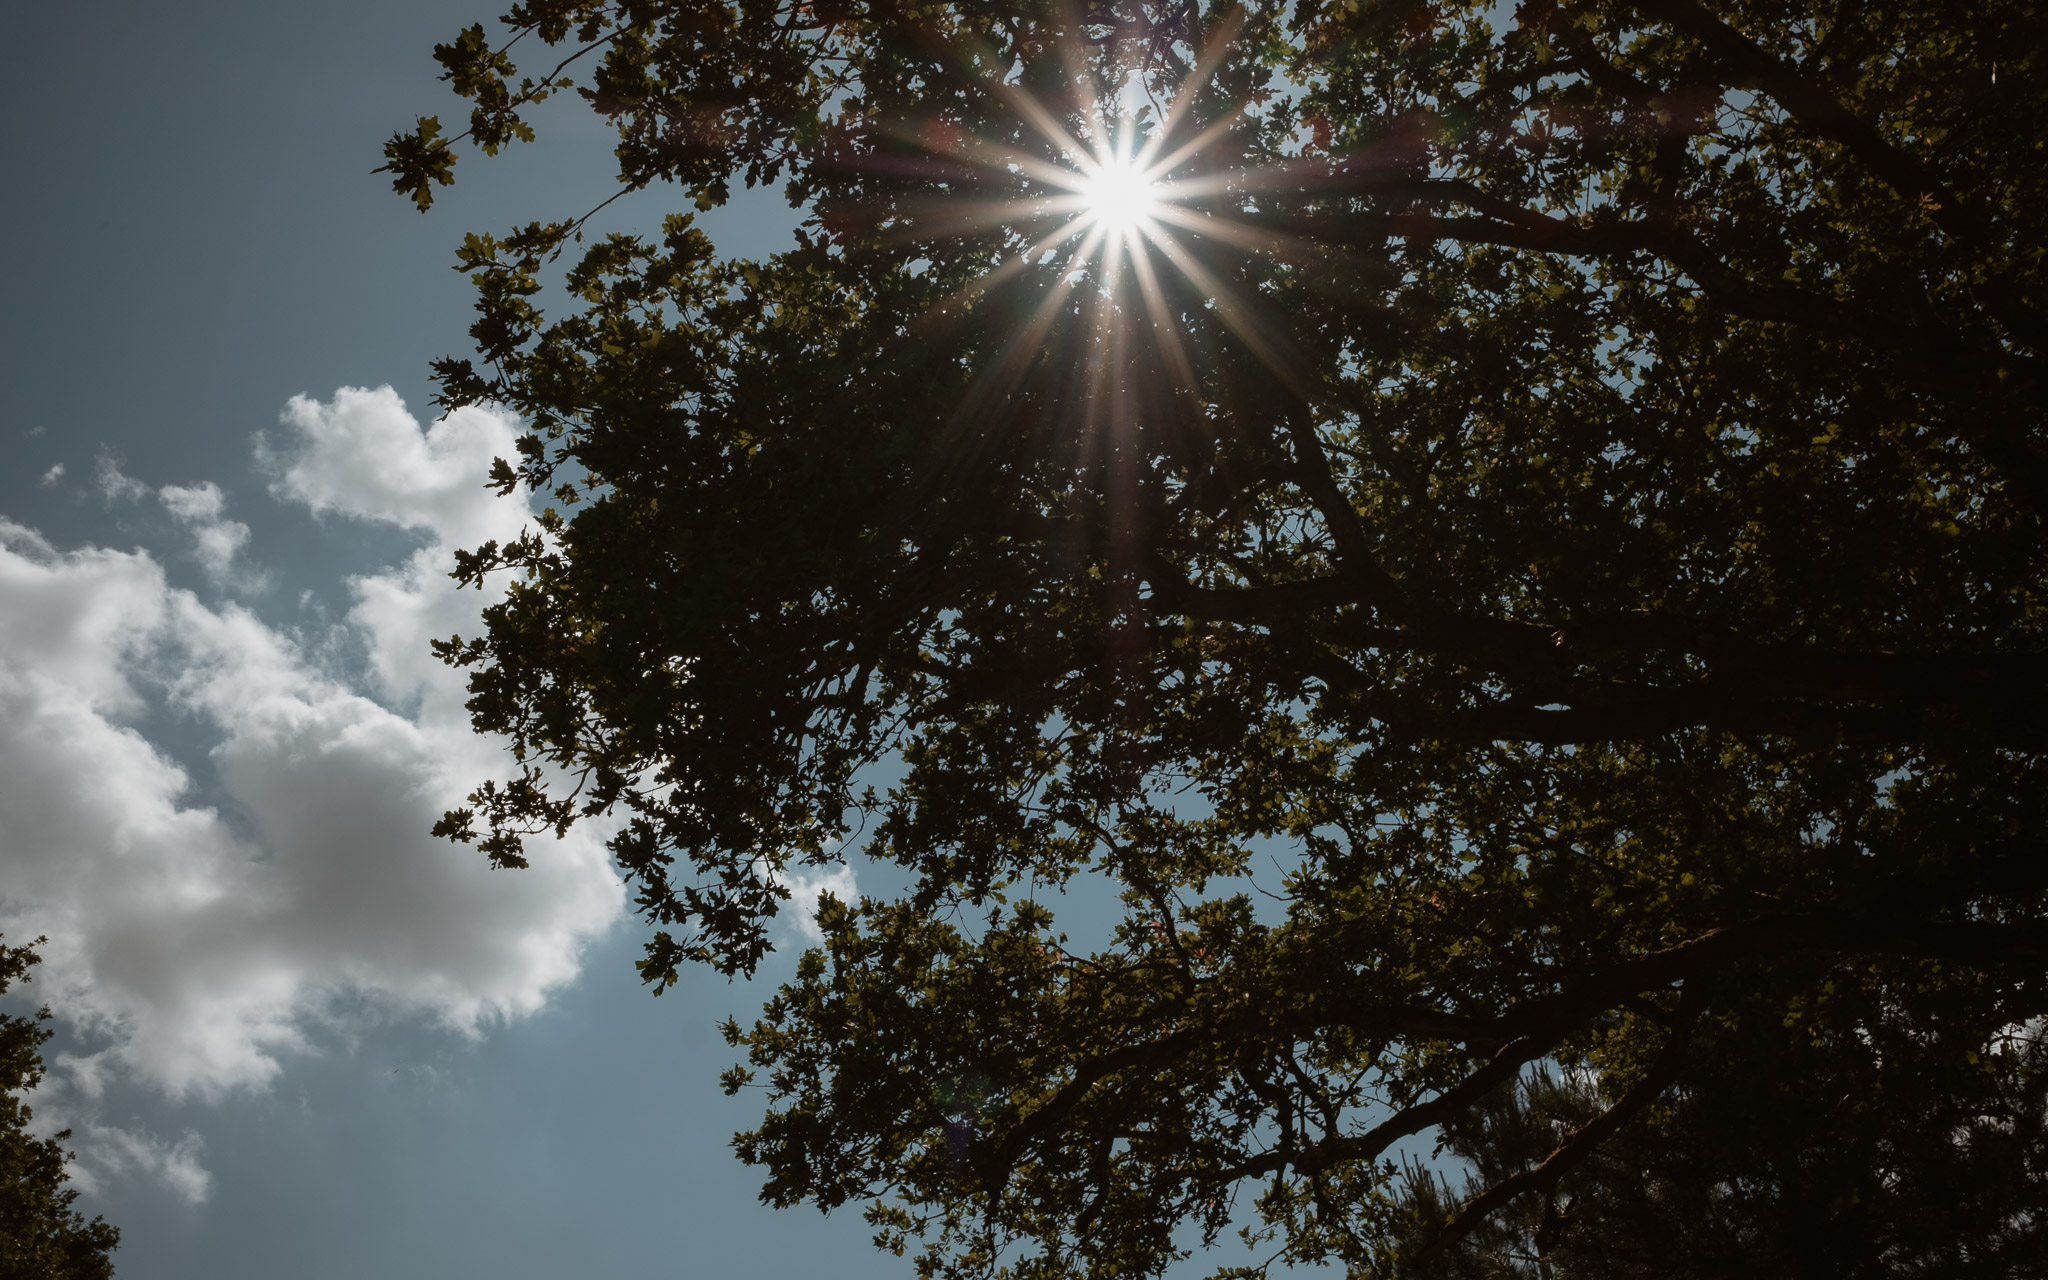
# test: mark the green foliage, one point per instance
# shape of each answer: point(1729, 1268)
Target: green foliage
point(1547, 571)
point(41, 1236)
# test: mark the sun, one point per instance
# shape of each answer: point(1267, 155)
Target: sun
point(1113, 207)
point(1120, 196)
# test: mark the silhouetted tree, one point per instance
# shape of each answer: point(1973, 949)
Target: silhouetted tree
point(1862, 1142)
point(1561, 491)
point(42, 1237)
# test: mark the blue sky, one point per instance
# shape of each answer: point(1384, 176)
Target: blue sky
point(297, 1038)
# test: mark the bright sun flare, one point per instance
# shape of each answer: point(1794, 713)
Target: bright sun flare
point(1120, 196)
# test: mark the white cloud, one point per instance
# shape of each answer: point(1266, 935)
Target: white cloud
point(102, 1151)
point(115, 486)
point(52, 476)
point(807, 885)
point(194, 503)
point(216, 540)
point(174, 1164)
point(202, 929)
point(362, 455)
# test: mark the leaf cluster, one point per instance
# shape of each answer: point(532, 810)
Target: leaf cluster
point(42, 1236)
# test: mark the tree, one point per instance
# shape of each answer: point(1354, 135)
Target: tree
point(1504, 542)
point(42, 1237)
point(1853, 1162)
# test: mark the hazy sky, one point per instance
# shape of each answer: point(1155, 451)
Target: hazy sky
point(298, 1037)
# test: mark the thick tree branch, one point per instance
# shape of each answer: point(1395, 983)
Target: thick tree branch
point(994, 1167)
point(1817, 110)
point(1580, 1143)
point(1538, 1025)
point(1374, 586)
point(1747, 65)
point(1747, 687)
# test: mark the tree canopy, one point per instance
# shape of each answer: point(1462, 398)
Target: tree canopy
point(42, 1236)
point(1508, 544)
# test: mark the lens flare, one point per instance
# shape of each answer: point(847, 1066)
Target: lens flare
point(1120, 196)
point(1129, 209)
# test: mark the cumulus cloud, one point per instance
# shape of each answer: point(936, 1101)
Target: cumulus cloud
point(208, 916)
point(52, 476)
point(362, 455)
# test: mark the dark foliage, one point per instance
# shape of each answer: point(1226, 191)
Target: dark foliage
point(1573, 494)
point(1789, 1149)
point(42, 1237)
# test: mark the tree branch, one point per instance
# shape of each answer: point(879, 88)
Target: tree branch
point(1747, 65)
point(1540, 1024)
point(1577, 1145)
